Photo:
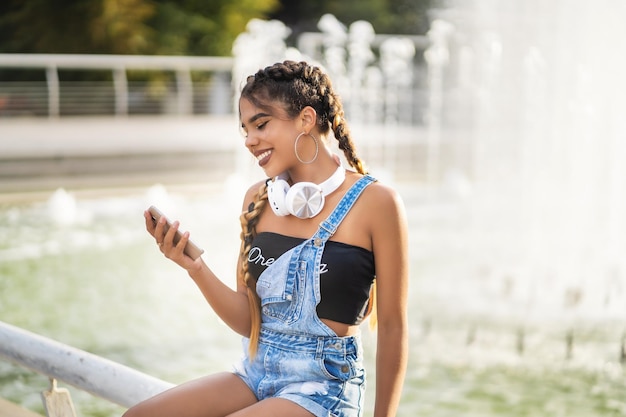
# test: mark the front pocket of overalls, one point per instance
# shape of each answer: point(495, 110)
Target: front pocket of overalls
point(279, 291)
point(340, 368)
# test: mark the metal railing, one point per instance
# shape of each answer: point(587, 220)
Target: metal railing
point(182, 91)
point(88, 372)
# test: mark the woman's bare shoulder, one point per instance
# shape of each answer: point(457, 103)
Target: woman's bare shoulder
point(251, 193)
point(384, 197)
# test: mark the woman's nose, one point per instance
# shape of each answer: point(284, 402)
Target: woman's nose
point(251, 142)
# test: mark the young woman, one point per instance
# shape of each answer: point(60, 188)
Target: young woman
point(318, 242)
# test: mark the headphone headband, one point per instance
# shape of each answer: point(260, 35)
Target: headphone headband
point(304, 199)
point(334, 181)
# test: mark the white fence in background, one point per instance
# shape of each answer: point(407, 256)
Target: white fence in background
point(176, 92)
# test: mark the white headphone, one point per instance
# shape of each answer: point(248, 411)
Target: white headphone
point(304, 199)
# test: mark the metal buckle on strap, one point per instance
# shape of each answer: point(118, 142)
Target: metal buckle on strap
point(327, 228)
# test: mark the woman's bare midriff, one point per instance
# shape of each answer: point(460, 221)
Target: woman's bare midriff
point(341, 329)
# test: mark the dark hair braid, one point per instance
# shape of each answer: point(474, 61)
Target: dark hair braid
point(342, 132)
point(249, 220)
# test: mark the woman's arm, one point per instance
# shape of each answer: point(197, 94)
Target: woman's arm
point(230, 305)
point(390, 245)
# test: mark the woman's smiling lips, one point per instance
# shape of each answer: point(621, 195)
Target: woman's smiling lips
point(263, 156)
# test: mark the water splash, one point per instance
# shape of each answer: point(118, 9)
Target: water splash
point(158, 196)
point(62, 207)
point(543, 132)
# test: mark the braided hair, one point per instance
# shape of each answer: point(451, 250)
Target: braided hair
point(293, 86)
point(248, 220)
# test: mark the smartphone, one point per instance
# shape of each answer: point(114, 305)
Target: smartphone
point(191, 249)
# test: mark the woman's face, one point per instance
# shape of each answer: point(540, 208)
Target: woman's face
point(269, 137)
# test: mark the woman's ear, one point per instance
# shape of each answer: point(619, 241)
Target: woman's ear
point(308, 115)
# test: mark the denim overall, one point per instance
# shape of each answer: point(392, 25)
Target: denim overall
point(299, 358)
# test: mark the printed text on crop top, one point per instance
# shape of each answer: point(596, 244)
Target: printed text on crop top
point(346, 274)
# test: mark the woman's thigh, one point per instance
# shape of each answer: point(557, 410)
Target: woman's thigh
point(273, 407)
point(211, 396)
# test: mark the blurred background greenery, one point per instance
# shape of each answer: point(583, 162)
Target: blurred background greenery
point(187, 27)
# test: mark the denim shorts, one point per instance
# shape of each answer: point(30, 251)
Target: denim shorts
point(324, 374)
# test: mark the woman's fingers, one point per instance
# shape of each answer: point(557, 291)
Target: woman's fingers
point(174, 250)
point(164, 236)
point(157, 229)
point(150, 223)
point(180, 246)
point(168, 235)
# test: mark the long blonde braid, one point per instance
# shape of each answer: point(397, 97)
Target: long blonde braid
point(249, 220)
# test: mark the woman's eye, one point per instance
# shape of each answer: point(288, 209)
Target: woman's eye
point(260, 126)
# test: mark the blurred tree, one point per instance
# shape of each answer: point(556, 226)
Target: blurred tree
point(408, 16)
point(186, 27)
point(200, 27)
point(119, 26)
point(386, 16)
point(75, 26)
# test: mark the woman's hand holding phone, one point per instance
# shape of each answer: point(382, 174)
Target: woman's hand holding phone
point(153, 219)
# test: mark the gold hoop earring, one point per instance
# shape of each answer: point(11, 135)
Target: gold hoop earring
point(295, 148)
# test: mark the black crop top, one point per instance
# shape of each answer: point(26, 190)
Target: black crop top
point(346, 274)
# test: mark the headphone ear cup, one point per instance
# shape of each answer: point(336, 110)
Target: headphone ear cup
point(304, 200)
point(276, 192)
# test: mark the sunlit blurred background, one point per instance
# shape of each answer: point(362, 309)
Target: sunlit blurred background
point(500, 122)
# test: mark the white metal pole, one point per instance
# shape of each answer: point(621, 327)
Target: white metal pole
point(101, 377)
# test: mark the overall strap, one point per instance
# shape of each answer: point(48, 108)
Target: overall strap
point(329, 226)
